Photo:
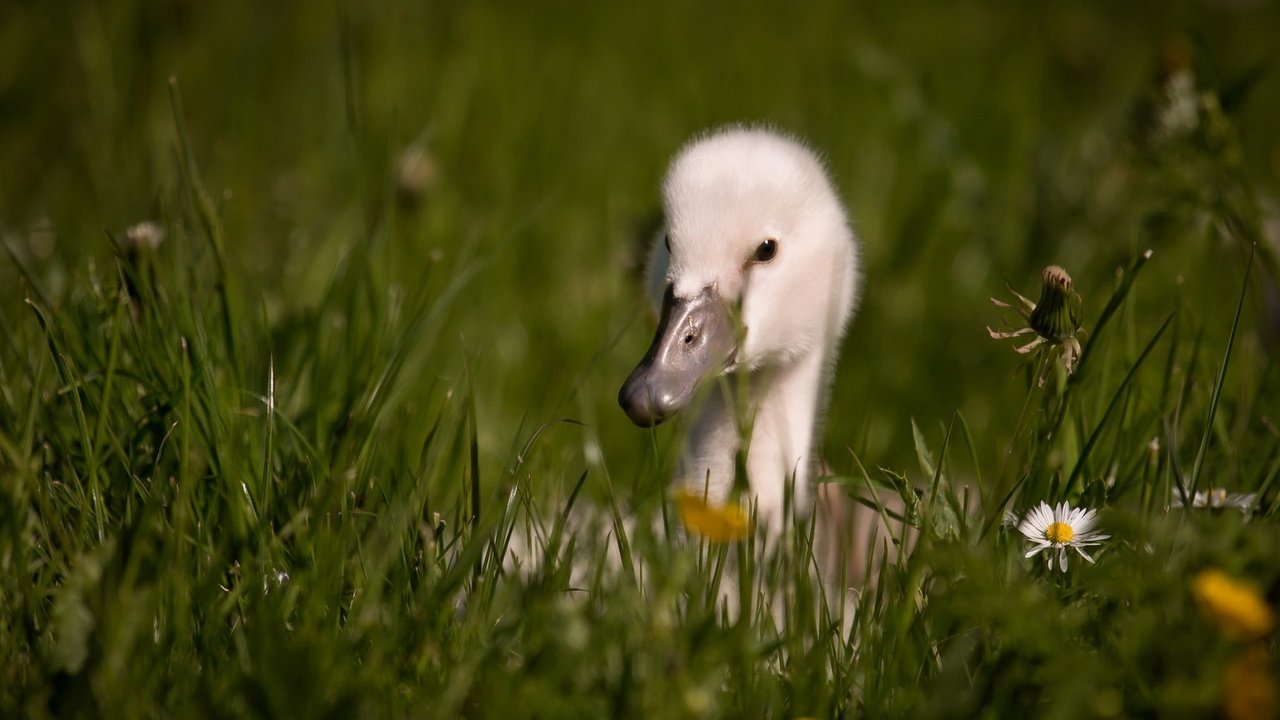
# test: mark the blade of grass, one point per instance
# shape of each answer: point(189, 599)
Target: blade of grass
point(1115, 402)
point(1222, 377)
point(226, 281)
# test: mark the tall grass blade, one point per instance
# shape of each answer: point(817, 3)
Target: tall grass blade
point(1222, 377)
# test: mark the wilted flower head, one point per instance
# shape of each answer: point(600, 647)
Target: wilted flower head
point(145, 235)
point(717, 523)
point(1236, 606)
point(1061, 528)
point(1215, 499)
point(416, 174)
point(1055, 320)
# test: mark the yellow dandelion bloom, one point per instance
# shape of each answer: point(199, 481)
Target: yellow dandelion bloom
point(1248, 689)
point(717, 523)
point(1237, 607)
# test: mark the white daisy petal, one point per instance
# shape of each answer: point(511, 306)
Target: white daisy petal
point(1213, 499)
point(1036, 522)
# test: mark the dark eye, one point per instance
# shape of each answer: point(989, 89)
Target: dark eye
point(767, 250)
point(666, 240)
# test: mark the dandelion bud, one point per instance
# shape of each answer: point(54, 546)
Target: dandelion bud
point(1054, 321)
point(1057, 316)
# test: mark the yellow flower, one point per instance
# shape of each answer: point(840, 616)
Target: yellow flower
point(1237, 607)
point(1248, 689)
point(717, 523)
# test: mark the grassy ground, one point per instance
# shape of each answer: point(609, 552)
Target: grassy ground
point(269, 467)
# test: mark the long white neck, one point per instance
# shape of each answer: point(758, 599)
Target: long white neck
point(782, 412)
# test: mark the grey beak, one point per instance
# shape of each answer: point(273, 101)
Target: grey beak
point(695, 339)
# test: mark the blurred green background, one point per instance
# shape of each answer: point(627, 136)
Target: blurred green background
point(974, 143)
point(268, 467)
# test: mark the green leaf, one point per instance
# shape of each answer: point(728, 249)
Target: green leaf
point(943, 520)
point(922, 451)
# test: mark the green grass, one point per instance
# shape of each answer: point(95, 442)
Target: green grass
point(271, 468)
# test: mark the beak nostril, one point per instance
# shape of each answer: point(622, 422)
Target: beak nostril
point(690, 344)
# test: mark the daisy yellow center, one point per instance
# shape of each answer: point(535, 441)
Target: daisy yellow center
point(1059, 532)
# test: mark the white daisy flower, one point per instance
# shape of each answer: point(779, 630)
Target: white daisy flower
point(1215, 499)
point(1061, 528)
